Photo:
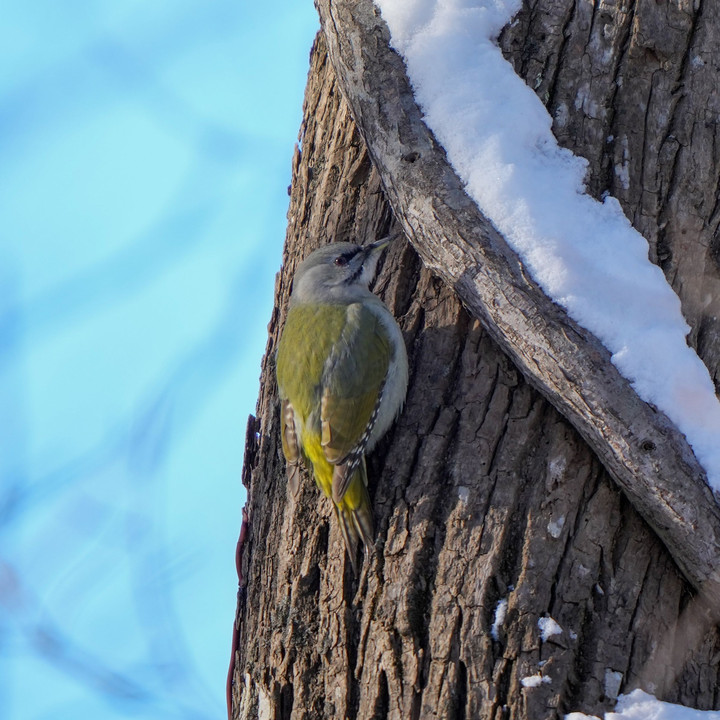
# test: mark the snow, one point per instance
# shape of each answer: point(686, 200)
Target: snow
point(498, 622)
point(638, 705)
point(583, 253)
point(613, 681)
point(548, 628)
point(555, 527)
point(535, 680)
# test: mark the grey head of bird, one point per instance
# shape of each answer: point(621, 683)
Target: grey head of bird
point(339, 272)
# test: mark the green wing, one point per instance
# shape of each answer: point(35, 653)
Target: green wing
point(334, 358)
point(310, 333)
point(352, 386)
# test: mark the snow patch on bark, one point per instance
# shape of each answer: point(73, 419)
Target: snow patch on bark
point(535, 680)
point(499, 621)
point(548, 627)
point(585, 254)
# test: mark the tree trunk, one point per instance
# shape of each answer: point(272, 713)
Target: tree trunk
point(483, 492)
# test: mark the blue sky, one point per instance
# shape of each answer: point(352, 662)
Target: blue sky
point(144, 162)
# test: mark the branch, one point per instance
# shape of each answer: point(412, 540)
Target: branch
point(642, 450)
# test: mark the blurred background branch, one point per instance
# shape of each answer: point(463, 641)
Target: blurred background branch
point(144, 160)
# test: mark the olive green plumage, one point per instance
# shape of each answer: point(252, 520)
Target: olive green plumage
point(342, 377)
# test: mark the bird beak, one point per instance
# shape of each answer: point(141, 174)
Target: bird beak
point(371, 255)
point(379, 245)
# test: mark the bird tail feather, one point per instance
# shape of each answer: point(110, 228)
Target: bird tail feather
point(355, 515)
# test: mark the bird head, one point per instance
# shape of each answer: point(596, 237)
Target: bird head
point(337, 272)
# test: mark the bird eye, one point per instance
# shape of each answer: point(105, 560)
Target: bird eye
point(340, 260)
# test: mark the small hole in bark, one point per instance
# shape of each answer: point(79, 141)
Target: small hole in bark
point(647, 446)
point(461, 691)
point(411, 157)
point(287, 700)
point(382, 702)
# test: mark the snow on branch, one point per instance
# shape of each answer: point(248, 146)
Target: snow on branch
point(645, 453)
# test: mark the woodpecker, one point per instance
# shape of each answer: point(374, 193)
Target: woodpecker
point(342, 375)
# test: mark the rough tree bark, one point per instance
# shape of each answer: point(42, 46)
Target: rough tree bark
point(483, 491)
